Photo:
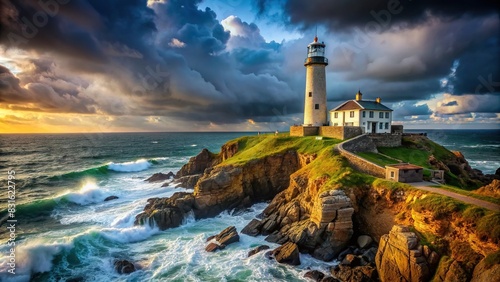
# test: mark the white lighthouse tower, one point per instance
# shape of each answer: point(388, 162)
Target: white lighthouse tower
point(315, 112)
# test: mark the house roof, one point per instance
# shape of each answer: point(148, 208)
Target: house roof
point(361, 105)
point(404, 166)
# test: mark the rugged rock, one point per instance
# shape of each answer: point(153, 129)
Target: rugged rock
point(188, 181)
point(486, 273)
point(228, 236)
point(492, 189)
point(329, 279)
point(350, 260)
point(166, 212)
point(212, 247)
point(257, 250)
point(160, 177)
point(222, 187)
point(197, 164)
point(287, 253)
point(314, 275)
point(398, 257)
point(124, 266)
point(364, 241)
point(221, 240)
point(252, 228)
point(110, 198)
point(346, 273)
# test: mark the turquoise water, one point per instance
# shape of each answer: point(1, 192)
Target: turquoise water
point(65, 230)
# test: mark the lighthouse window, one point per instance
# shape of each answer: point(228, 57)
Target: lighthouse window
point(371, 114)
point(310, 94)
point(316, 106)
point(364, 114)
point(386, 125)
point(386, 114)
point(381, 115)
point(336, 115)
point(380, 125)
point(351, 114)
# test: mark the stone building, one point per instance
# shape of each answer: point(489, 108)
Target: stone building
point(404, 172)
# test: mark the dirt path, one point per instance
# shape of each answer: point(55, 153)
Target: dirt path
point(466, 199)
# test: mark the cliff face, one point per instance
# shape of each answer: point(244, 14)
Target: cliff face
point(320, 204)
point(219, 188)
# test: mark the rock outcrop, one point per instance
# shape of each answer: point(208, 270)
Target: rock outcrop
point(221, 240)
point(287, 253)
point(319, 223)
point(221, 187)
point(400, 257)
point(160, 177)
point(124, 266)
point(258, 250)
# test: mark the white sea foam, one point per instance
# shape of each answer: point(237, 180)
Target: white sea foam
point(134, 166)
point(33, 257)
point(89, 193)
point(130, 234)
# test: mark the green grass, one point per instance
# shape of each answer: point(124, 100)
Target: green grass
point(257, 147)
point(377, 158)
point(409, 155)
point(439, 206)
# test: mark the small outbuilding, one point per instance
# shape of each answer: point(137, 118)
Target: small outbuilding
point(404, 172)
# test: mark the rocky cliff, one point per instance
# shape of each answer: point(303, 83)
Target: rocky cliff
point(321, 206)
point(222, 187)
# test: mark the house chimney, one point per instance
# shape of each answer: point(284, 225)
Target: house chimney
point(378, 100)
point(359, 96)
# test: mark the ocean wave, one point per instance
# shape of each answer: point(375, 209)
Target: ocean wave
point(134, 166)
point(90, 193)
point(131, 166)
point(482, 146)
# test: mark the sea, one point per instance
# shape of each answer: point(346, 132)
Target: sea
point(63, 230)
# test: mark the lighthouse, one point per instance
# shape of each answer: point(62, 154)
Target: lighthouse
point(315, 112)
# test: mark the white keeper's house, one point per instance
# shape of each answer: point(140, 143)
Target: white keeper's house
point(371, 116)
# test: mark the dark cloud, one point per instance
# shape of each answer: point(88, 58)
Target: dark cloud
point(339, 15)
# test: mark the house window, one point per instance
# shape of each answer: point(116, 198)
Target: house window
point(310, 94)
point(381, 124)
point(316, 106)
point(335, 124)
point(386, 125)
point(381, 115)
point(364, 123)
point(364, 114)
point(392, 174)
point(386, 114)
point(336, 115)
point(371, 114)
point(351, 114)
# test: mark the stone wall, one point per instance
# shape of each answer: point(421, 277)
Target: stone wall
point(340, 132)
point(359, 144)
point(386, 140)
point(299, 130)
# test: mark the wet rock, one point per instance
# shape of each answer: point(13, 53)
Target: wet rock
point(369, 255)
point(160, 177)
point(329, 279)
point(258, 249)
point(109, 198)
point(212, 247)
point(364, 241)
point(345, 252)
point(350, 260)
point(124, 266)
point(188, 181)
point(252, 228)
point(314, 275)
point(287, 253)
point(228, 236)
